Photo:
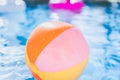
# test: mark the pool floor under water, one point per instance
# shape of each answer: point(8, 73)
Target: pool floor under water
point(99, 25)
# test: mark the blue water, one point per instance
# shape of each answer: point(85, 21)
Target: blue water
point(99, 25)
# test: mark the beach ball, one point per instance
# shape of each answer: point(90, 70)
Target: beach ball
point(72, 5)
point(56, 51)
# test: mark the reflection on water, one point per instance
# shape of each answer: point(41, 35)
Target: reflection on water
point(99, 25)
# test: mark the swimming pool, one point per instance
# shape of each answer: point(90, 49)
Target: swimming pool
point(99, 25)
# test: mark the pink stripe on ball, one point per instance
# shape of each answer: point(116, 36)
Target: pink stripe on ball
point(65, 51)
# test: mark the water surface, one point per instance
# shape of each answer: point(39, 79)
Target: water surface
point(99, 25)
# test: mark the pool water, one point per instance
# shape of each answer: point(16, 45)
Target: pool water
point(99, 25)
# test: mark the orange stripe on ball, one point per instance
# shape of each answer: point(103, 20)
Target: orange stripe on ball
point(42, 35)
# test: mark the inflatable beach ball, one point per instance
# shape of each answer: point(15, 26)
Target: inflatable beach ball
point(56, 51)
